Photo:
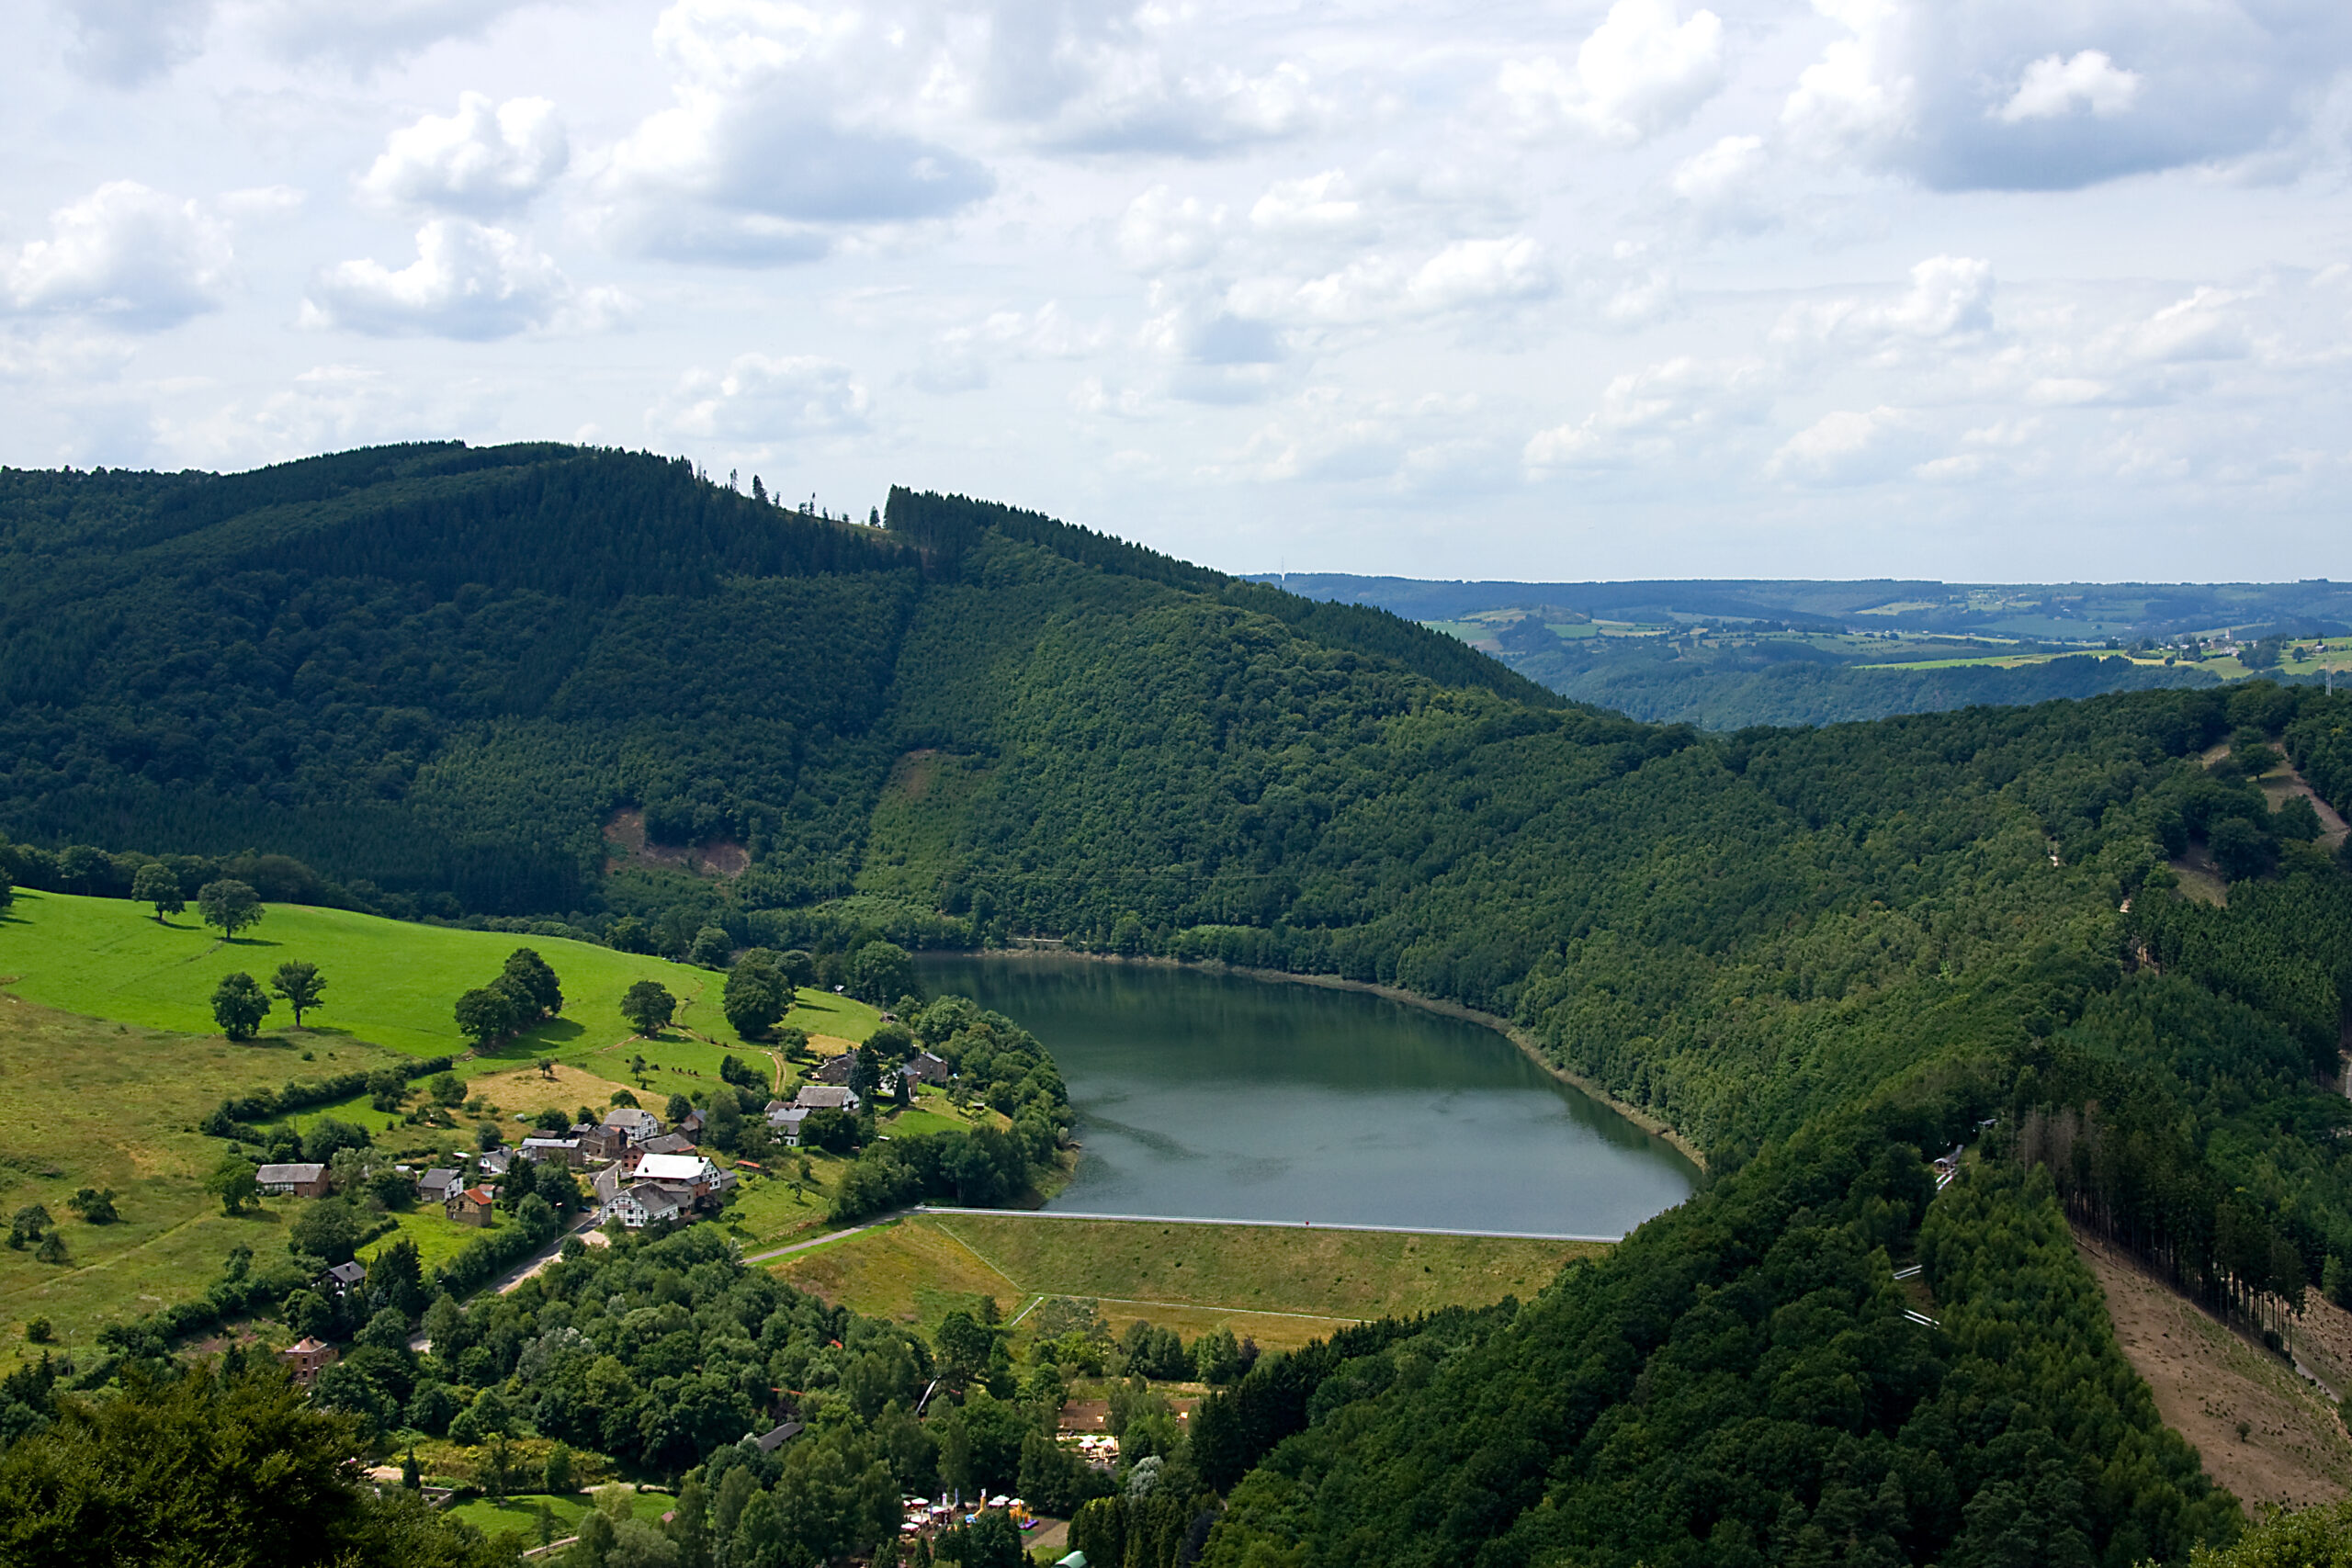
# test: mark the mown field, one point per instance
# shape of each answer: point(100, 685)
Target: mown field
point(1279, 1286)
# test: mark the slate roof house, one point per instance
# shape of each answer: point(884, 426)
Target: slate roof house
point(601, 1140)
point(641, 1125)
point(834, 1069)
point(435, 1185)
point(924, 1068)
point(649, 1203)
point(343, 1277)
point(826, 1097)
point(298, 1180)
point(564, 1151)
point(784, 1122)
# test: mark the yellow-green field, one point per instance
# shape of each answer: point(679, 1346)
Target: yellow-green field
point(106, 1045)
point(101, 1104)
point(1279, 1286)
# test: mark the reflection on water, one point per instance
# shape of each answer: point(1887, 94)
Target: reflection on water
point(1218, 1096)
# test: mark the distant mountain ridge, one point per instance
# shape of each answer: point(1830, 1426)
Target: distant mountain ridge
point(1731, 653)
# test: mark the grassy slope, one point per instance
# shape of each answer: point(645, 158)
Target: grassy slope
point(388, 982)
point(112, 1101)
point(100, 1104)
point(1281, 1286)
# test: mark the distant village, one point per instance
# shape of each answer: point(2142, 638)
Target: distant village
point(640, 1171)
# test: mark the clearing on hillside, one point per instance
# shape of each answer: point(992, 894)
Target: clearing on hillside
point(2210, 1383)
point(1279, 1286)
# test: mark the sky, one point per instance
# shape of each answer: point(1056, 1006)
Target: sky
point(1970, 289)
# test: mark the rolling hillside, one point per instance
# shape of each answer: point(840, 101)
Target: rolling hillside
point(459, 682)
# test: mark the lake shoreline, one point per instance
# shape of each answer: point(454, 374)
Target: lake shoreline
point(1529, 1046)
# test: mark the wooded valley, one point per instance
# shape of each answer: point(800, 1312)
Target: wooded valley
point(433, 679)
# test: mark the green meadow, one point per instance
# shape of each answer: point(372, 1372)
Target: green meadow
point(112, 1058)
point(388, 982)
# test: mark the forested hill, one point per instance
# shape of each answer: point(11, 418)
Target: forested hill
point(462, 681)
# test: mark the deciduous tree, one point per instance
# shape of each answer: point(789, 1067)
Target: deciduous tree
point(229, 905)
point(301, 985)
point(239, 1005)
point(155, 885)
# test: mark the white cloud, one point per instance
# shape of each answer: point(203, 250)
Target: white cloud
point(1655, 413)
point(1162, 233)
point(772, 143)
point(485, 159)
point(962, 358)
point(762, 401)
point(1847, 448)
point(1466, 276)
point(2010, 94)
point(1641, 71)
point(1721, 179)
point(365, 36)
point(125, 42)
point(469, 281)
point(124, 252)
point(1950, 297)
point(1320, 207)
point(1128, 77)
point(2054, 85)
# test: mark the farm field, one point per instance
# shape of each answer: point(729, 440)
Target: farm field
point(391, 984)
point(113, 1100)
point(1279, 1286)
point(102, 1104)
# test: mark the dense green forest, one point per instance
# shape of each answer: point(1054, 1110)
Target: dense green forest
point(432, 676)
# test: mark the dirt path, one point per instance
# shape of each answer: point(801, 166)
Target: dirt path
point(2209, 1384)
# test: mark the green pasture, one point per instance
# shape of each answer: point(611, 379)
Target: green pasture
point(104, 1104)
point(389, 982)
point(520, 1514)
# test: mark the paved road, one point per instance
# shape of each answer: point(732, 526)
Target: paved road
point(1270, 1224)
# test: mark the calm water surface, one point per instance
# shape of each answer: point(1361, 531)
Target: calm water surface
point(1215, 1096)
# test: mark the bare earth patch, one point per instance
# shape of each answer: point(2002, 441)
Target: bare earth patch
point(2209, 1382)
point(626, 842)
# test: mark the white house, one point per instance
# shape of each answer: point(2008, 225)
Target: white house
point(783, 1121)
point(608, 1184)
point(827, 1097)
point(642, 1127)
point(647, 1203)
point(693, 1172)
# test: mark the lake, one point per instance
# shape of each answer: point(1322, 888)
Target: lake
point(1215, 1096)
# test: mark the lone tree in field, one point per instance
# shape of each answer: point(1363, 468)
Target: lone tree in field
point(155, 885)
point(757, 996)
point(229, 905)
point(238, 1005)
point(299, 984)
point(485, 1014)
point(234, 1183)
point(530, 974)
point(649, 1006)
